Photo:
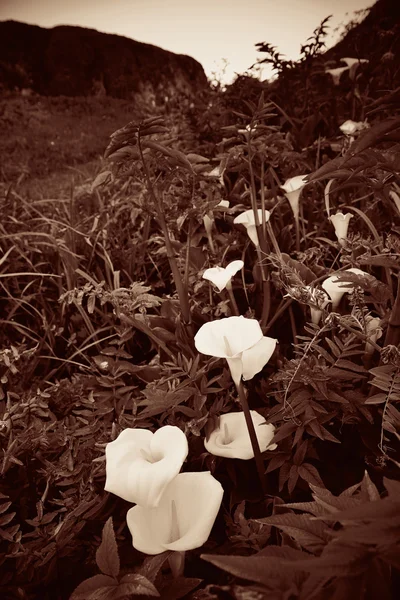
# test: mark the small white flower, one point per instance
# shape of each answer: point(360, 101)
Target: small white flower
point(248, 131)
point(350, 127)
point(247, 219)
point(341, 222)
point(231, 438)
point(183, 519)
point(140, 464)
point(221, 276)
point(336, 289)
point(293, 187)
point(336, 73)
point(240, 341)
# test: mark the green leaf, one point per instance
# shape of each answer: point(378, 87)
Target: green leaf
point(260, 567)
point(310, 474)
point(180, 588)
point(152, 565)
point(132, 584)
point(107, 558)
point(84, 590)
point(310, 534)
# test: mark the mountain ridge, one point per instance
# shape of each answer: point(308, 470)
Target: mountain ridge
point(77, 61)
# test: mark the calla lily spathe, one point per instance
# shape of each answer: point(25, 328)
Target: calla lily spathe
point(353, 64)
point(247, 219)
point(293, 187)
point(350, 127)
point(341, 222)
point(183, 519)
point(231, 438)
point(336, 289)
point(240, 341)
point(220, 276)
point(336, 73)
point(140, 464)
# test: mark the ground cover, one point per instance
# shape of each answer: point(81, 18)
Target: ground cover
point(203, 322)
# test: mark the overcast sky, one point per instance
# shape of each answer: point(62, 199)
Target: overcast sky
point(207, 30)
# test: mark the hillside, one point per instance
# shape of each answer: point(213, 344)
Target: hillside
point(75, 61)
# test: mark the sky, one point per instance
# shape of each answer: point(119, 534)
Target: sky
point(214, 32)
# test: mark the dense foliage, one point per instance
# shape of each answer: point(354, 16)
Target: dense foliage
point(101, 301)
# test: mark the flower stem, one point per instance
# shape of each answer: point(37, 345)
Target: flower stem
point(297, 223)
point(253, 436)
point(180, 288)
point(176, 562)
point(234, 306)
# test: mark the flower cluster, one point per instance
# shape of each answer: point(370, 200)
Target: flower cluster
point(174, 511)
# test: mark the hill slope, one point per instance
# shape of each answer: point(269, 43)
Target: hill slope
point(75, 61)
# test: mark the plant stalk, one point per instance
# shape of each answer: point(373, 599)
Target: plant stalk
point(253, 437)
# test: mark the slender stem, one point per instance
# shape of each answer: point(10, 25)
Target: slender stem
point(253, 437)
point(266, 303)
point(234, 306)
point(293, 324)
point(182, 294)
point(281, 309)
point(273, 239)
point(177, 563)
point(297, 224)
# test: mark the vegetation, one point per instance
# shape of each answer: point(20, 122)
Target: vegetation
point(102, 301)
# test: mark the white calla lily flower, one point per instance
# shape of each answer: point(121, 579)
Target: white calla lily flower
point(374, 331)
point(353, 64)
point(240, 341)
point(140, 464)
point(220, 276)
point(231, 438)
point(336, 289)
point(183, 519)
point(292, 188)
point(354, 61)
point(341, 222)
point(247, 219)
point(223, 204)
point(336, 73)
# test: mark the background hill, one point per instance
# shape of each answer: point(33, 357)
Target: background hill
point(75, 61)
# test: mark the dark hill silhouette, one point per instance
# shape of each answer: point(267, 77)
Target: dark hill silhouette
point(75, 61)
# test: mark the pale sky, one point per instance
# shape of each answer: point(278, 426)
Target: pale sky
point(207, 30)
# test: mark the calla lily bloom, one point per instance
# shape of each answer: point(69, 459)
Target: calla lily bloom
point(140, 464)
point(336, 73)
point(247, 219)
point(373, 330)
point(223, 204)
point(353, 64)
point(350, 127)
point(341, 225)
point(293, 187)
point(183, 519)
point(240, 341)
point(336, 289)
point(354, 61)
point(231, 438)
point(221, 277)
